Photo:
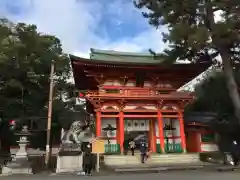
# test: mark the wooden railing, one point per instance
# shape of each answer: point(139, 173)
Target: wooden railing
point(137, 93)
point(143, 92)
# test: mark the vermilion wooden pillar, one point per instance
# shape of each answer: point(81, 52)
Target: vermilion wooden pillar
point(152, 135)
point(121, 130)
point(98, 124)
point(160, 131)
point(182, 132)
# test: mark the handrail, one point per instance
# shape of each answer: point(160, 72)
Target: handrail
point(138, 93)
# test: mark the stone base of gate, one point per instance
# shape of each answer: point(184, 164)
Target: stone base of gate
point(154, 159)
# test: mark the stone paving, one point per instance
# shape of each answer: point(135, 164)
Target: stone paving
point(186, 175)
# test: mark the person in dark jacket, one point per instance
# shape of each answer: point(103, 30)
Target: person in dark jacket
point(143, 150)
point(235, 153)
point(87, 161)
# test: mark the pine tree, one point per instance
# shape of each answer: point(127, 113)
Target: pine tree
point(195, 34)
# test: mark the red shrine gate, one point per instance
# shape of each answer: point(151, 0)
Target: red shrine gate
point(155, 115)
point(124, 91)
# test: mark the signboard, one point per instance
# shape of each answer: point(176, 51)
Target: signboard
point(136, 125)
point(98, 146)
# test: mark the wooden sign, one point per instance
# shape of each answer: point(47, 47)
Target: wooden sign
point(98, 146)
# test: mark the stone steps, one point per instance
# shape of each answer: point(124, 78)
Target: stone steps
point(155, 159)
point(175, 158)
point(120, 160)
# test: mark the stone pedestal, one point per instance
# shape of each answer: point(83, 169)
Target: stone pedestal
point(69, 159)
point(17, 166)
point(69, 164)
point(20, 163)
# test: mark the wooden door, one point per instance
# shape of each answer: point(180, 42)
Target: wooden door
point(193, 141)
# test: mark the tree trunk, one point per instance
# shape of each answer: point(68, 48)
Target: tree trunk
point(231, 83)
point(226, 60)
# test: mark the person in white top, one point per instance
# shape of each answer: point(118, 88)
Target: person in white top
point(132, 146)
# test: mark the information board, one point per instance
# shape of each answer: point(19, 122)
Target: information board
point(98, 146)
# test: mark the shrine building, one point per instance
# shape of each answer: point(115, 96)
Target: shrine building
point(136, 95)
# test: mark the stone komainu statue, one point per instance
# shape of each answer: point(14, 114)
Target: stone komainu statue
point(76, 133)
point(76, 129)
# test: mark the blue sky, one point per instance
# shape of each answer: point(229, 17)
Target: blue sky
point(85, 24)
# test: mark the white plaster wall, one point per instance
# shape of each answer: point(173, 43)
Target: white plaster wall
point(170, 106)
point(147, 84)
point(162, 85)
point(112, 83)
point(111, 141)
point(130, 107)
point(176, 125)
point(144, 107)
point(131, 84)
point(176, 132)
point(112, 122)
point(166, 121)
point(156, 128)
point(150, 107)
point(118, 83)
point(105, 107)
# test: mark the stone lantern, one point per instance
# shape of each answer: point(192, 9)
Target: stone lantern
point(20, 163)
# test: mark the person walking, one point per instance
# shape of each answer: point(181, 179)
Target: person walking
point(87, 161)
point(143, 150)
point(132, 146)
point(235, 153)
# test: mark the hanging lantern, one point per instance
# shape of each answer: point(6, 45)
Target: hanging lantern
point(81, 95)
point(12, 124)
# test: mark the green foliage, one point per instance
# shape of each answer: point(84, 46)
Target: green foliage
point(212, 96)
point(25, 59)
point(192, 28)
point(194, 34)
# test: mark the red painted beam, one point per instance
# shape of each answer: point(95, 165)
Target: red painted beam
point(170, 116)
point(109, 115)
point(171, 137)
point(139, 116)
point(175, 97)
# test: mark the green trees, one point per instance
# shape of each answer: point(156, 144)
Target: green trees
point(25, 58)
point(194, 34)
point(212, 96)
